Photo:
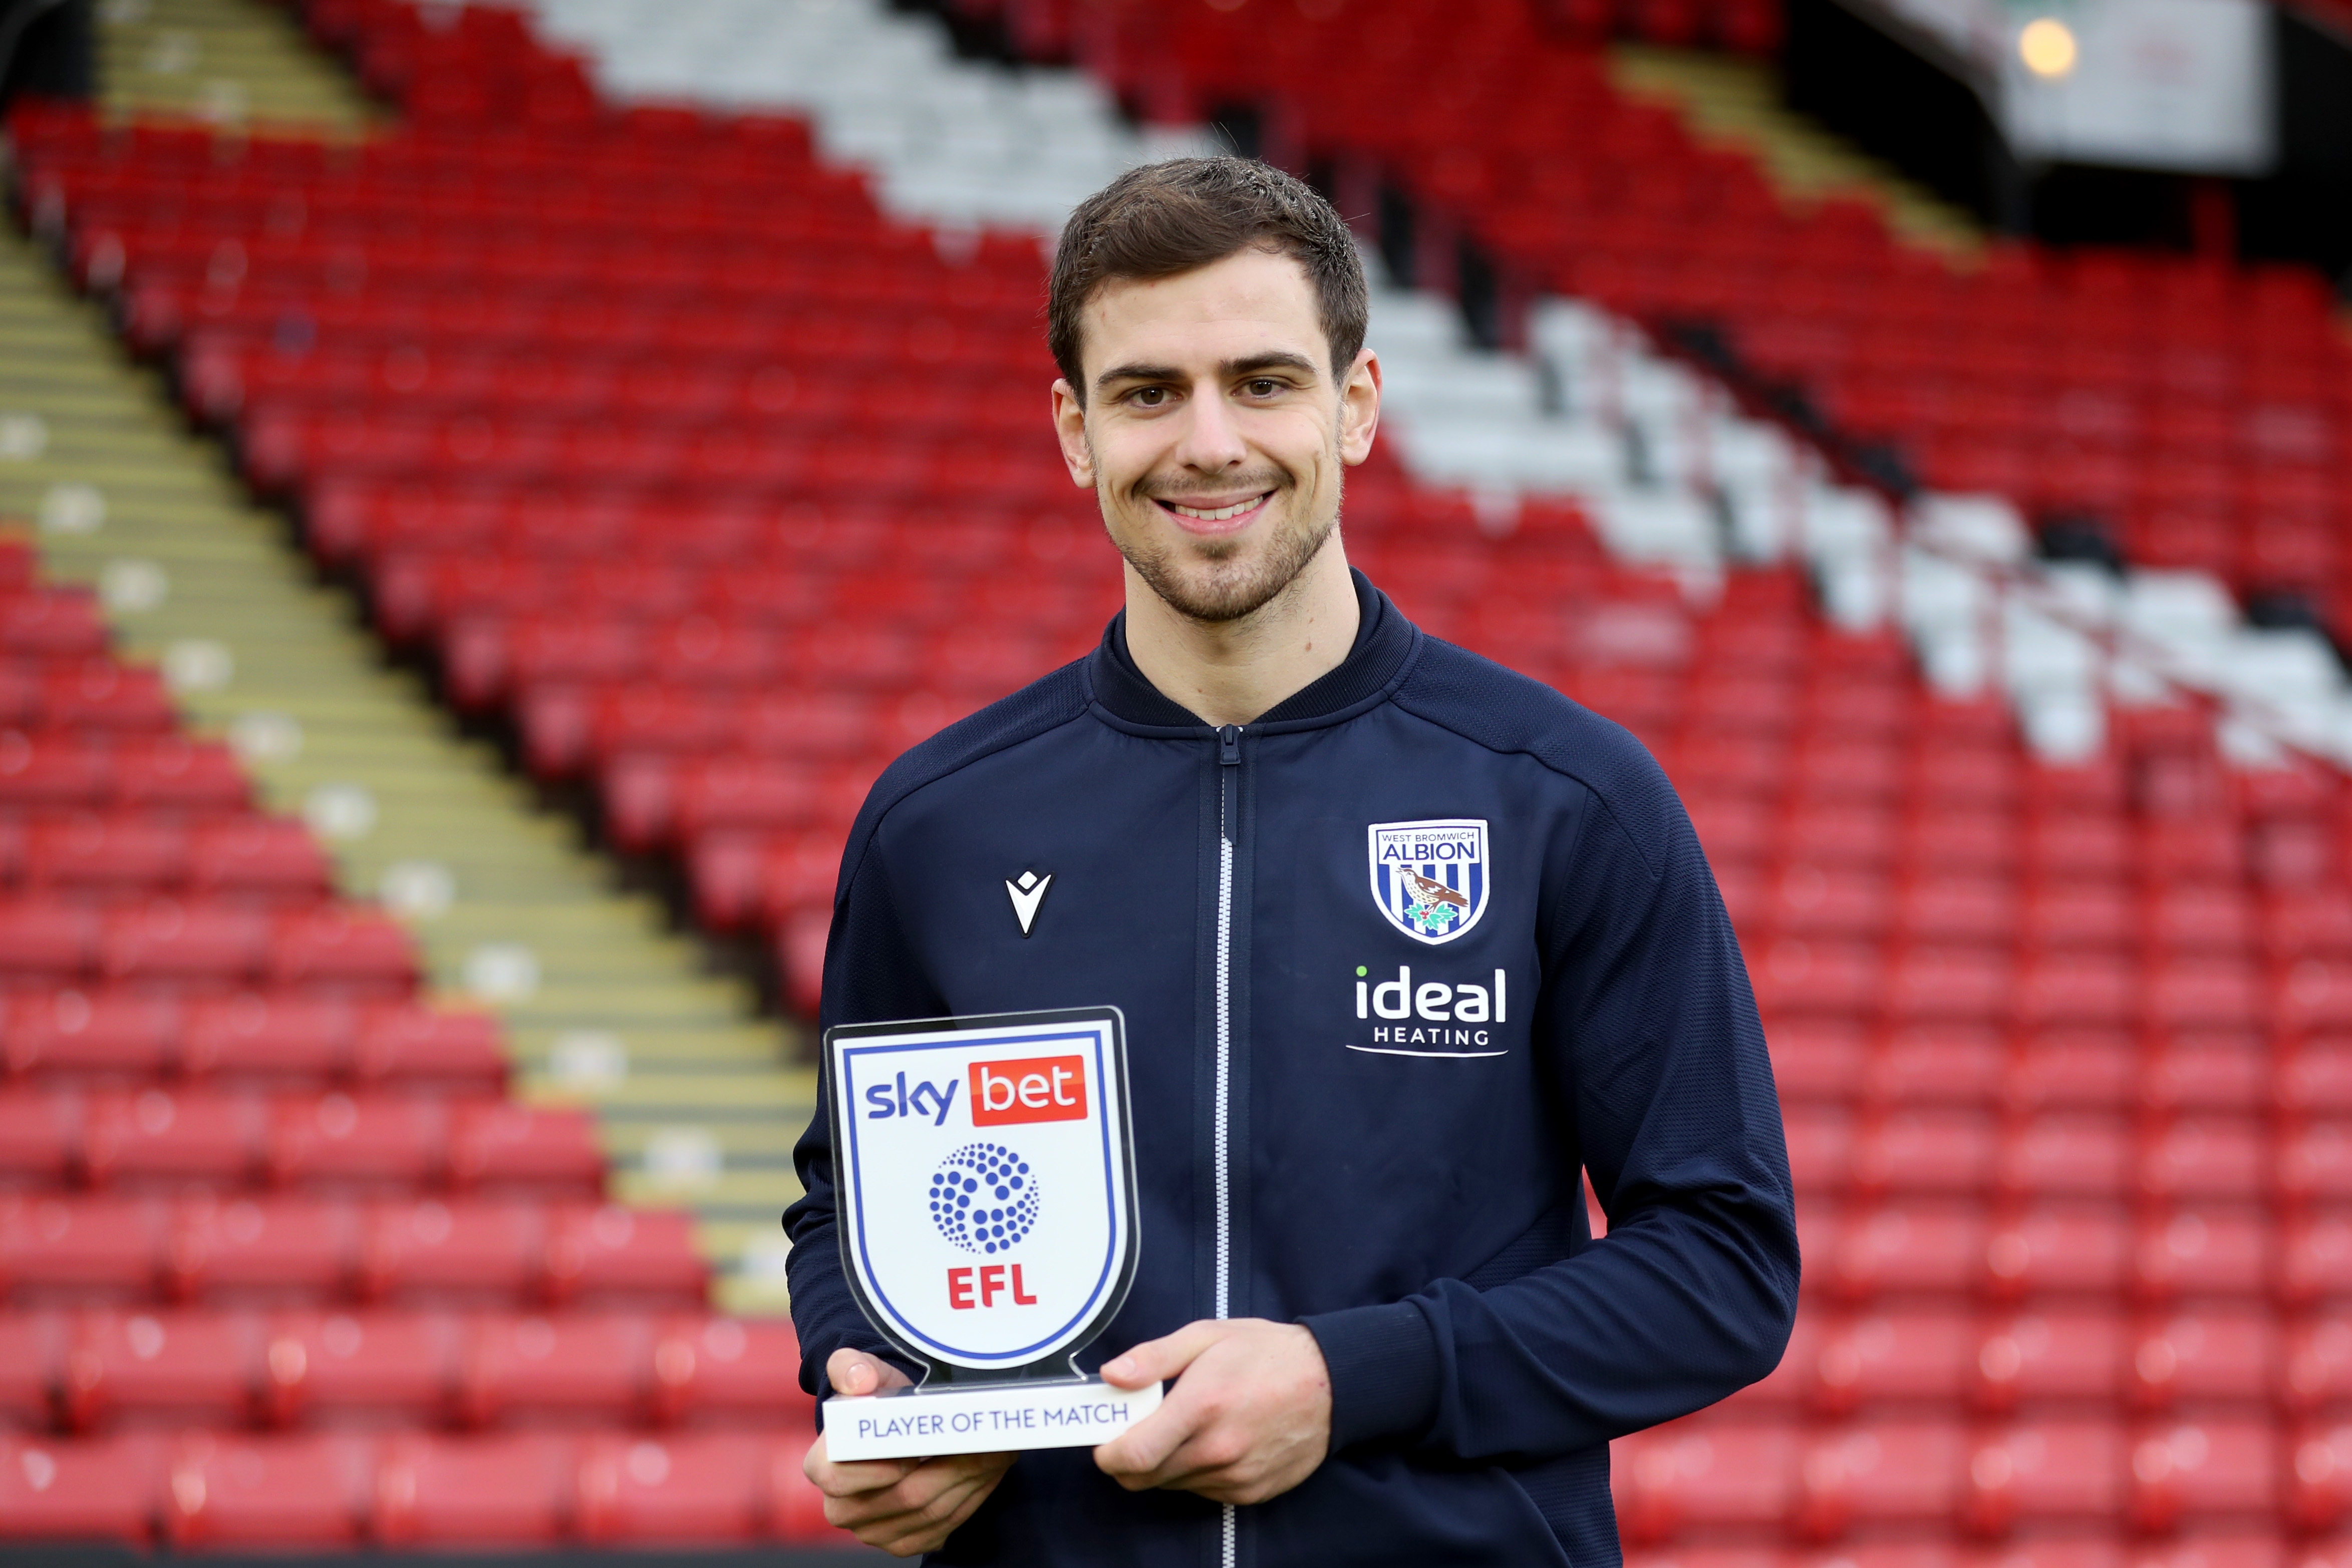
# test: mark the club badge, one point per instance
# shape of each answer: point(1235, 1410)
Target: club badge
point(1430, 880)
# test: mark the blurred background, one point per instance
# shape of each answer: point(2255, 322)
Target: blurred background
point(484, 489)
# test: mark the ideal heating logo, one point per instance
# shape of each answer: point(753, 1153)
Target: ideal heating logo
point(1435, 1015)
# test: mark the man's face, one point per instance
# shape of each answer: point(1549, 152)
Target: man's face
point(1212, 431)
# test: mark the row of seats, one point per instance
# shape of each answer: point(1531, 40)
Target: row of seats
point(226, 1491)
point(2198, 1155)
point(1945, 982)
point(96, 768)
point(121, 853)
point(2055, 1356)
point(101, 1368)
point(2043, 1246)
point(219, 1139)
point(1716, 1476)
point(70, 1250)
point(2226, 1549)
point(223, 945)
point(1817, 1062)
point(258, 1038)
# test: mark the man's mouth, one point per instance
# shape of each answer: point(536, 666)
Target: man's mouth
point(1223, 514)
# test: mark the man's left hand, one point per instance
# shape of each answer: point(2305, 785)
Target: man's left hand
point(1249, 1418)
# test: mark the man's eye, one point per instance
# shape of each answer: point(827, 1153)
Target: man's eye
point(1263, 388)
point(1150, 397)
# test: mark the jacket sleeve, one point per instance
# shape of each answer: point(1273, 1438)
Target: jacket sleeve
point(1651, 1024)
point(871, 973)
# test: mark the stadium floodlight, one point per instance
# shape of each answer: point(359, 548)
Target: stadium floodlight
point(2047, 47)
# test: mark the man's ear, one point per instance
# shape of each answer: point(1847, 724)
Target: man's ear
point(1070, 430)
point(1359, 407)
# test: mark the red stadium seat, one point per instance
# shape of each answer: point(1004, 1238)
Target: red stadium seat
point(1695, 1476)
point(500, 1145)
point(622, 1256)
point(1911, 1250)
point(575, 1365)
point(99, 1490)
point(1880, 1475)
point(2058, 1248)
point(268, 1038)
point(220, 945)
point(227, 1490)
point(2206, 1357)
point(505, 1490)
point(266, 1250)
point(730, 1370)
point(2208, 1473)
point(173, 1138)
point(1918, 1357)
point(89, 1037)
point(490, 1252)
point(46, 940)
point(159, 1367)
point(2045, 1474)
point(31, 1348)
point(414, 1047)
point(78, 1250)
point(2054, 1355)
point(260, 857)
point(2203, 1252)
point(360, 1366)
point(334, 947)
point(2315, 1365)
point(673, 1488)
point(39, 1138)
point(356, 1142)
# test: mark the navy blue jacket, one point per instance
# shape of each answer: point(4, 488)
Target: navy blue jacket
point(1421, 1214)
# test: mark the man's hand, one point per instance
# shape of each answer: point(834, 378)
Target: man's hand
point(1249, 1418)
point(903, 1506)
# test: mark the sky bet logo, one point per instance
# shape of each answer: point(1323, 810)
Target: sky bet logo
point(1437, 1018)
point(1003, 1093)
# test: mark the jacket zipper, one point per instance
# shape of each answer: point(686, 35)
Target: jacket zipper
point(1229, 761)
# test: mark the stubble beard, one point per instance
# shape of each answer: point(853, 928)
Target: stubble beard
point(1221, 582)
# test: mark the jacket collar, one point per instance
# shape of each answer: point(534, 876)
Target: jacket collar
point(1384, 640)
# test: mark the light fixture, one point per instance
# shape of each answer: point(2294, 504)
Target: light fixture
point(2047, 47)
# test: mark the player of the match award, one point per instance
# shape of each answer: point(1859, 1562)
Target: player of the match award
point(986, 1185)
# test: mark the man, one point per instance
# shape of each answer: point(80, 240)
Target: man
point(1405, 943)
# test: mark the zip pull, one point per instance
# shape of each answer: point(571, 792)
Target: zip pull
point(1229, 746)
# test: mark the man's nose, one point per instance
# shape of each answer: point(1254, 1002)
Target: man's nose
point(1212, 440)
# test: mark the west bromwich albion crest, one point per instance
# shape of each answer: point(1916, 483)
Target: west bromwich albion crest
point(1431, 879)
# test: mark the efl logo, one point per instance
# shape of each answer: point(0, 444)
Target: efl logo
point(1040, 1089)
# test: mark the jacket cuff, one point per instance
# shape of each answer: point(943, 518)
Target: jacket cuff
point(1383, 1362)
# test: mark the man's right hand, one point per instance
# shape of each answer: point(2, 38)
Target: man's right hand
point(905, 1507)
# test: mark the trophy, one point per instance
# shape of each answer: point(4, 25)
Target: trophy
point(985, 1188)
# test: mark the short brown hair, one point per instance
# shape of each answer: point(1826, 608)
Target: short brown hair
point(1166, 218)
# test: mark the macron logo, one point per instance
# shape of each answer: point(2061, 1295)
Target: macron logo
point(1028, 893)
point(1041, 1088)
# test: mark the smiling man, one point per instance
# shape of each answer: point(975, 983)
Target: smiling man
point(1407, 945)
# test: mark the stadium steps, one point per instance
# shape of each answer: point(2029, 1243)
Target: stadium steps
point(226, 61)
point(1734, 100)
point(604, 1004)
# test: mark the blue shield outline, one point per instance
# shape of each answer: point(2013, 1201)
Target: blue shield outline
point(852, 1053)
point(1432, 880)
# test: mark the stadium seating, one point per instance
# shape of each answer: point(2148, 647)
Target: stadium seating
point(280, 1264)
point(658, 430)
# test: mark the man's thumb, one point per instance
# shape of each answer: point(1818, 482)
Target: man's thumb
point(853, 1373)
point(1155, 1361)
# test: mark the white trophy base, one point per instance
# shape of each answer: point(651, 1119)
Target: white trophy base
point(983, 1418)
